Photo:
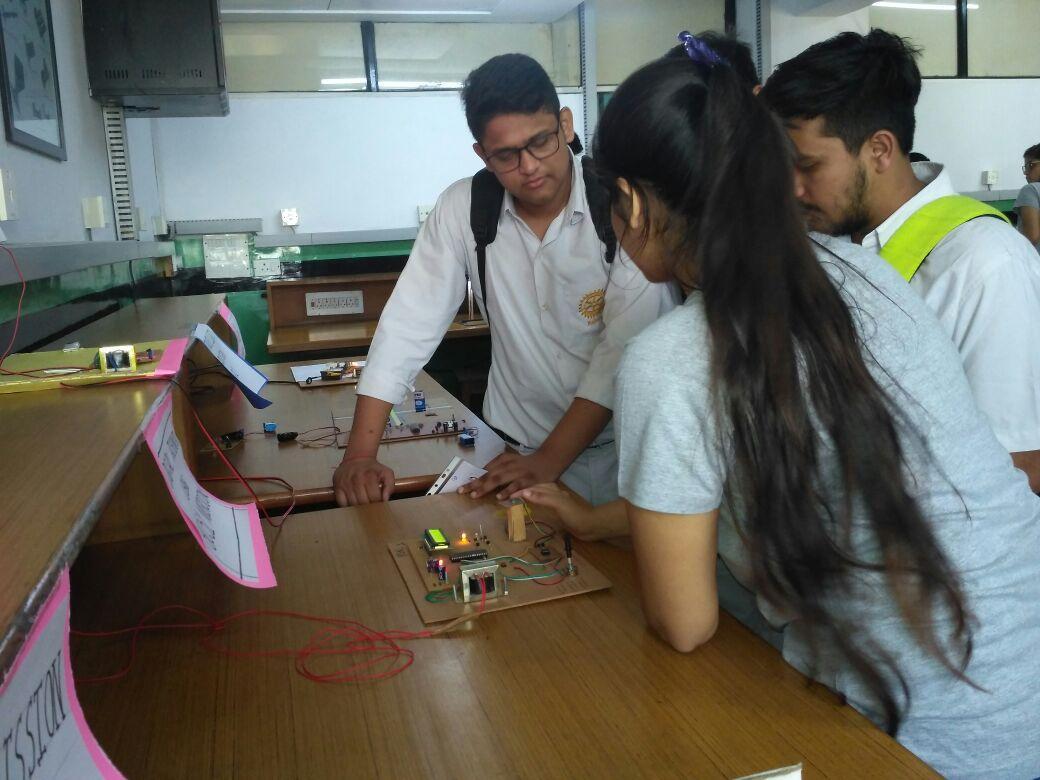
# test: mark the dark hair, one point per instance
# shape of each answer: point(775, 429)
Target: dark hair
point(1032, 153)
point(734, 51)
point(859, 84)
point(788, 377)
point(507, 84)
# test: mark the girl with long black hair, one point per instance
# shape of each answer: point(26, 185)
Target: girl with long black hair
point(804, 415)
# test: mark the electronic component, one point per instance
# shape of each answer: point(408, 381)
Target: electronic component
point(480, 580)
point(117, 359)
point(232, 436)
point(465, 440)
point(470, 555)
point(333, 372)
point(434, 539)
point(287, 436)
point(270, 427)
point(516, 521)
point(419, 397)
point(568, 551)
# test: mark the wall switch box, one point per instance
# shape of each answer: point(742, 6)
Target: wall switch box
point(265, 267)
point(424, 212)
point(990, 178)
point(7, 204)
point(94, 212)
point(290, 217)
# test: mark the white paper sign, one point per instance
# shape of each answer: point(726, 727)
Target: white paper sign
point(340, 302)
point(230, 534)
point(246, 375)
point(43, 733)
point(228, 316)
point(457, 474)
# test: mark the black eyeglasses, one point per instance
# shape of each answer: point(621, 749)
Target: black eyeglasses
point(541, 146)
point(1029, 166)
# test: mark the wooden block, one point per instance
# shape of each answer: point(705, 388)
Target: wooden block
point(516, 521)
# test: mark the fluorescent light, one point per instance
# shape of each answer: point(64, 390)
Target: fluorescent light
point(385, 84)
point(922, 6)
point(346, 12)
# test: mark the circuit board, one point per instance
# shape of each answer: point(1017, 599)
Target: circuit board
point(528, 572)
point(409, 425)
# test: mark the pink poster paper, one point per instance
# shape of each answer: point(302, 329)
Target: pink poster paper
point(170, 362)
point(38, 738)
point(230, 534)
point(229, 318)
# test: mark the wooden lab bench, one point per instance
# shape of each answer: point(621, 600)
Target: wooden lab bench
point(575, 687)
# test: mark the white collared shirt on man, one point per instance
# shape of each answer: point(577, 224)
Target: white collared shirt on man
point(983, 282)
point(560, 314)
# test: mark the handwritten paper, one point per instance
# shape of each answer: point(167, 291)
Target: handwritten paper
point(43, 733)
point(230, 534)
point(229, 317)
point(249, 380)
point(457, 473)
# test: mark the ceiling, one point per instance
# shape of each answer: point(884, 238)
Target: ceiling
point(396, 10)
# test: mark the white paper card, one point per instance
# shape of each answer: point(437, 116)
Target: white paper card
point(457, 474)
point(43, 733)
point(236, 366)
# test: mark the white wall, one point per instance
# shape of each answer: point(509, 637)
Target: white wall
point(144, 175)
point(790, 34)
point(973, 125)
point(345, 161)
point(48, 192)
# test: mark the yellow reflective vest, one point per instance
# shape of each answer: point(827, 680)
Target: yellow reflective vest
point(908, 247)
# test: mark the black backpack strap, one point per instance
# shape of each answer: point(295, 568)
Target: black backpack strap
point(599, 207)
point(486, 196)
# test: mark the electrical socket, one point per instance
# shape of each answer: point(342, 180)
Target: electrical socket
point(265, 267)
point(990, 178)
point(8, 209)
point(424, 212)
point(290, 217)
point(93, 212)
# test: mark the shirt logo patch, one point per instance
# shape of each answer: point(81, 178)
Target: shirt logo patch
point(591, 306)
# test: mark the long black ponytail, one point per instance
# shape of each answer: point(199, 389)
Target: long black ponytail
point(788, 371)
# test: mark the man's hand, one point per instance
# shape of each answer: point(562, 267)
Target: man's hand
point(511, 472)
point(362, 481)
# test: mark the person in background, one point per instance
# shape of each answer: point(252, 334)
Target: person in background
point(848, 106)
point(559, 310)
point(1027, 204)
point(805, 415)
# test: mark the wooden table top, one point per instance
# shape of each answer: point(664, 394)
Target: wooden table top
point(146, 319)
point(62, 456)
point(575, 687)
point(346, 335)
point(308, 469)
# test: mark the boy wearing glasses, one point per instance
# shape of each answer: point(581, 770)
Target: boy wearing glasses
point(560, 312)
point(1027, 205)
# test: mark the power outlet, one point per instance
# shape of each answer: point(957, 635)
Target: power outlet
point(266, 267)
point(290, 217)
point(990, 178)
point(94, 212)
point(8, 209)
point(424, 212)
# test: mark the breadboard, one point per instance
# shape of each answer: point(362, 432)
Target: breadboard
point(402, 422)
point(410, 556)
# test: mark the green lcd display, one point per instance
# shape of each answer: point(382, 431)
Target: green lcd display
point(434, 539)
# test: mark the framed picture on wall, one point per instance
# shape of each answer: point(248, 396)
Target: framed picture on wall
point(29, 77)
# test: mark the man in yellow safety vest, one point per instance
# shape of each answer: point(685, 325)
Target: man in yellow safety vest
point(848, 106)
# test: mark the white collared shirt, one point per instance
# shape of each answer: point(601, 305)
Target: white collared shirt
point(983, 282)
point(560, 314)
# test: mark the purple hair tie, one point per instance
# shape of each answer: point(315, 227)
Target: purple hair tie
point(698, 51)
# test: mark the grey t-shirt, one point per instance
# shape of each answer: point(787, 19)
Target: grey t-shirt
point(1029, 195)
point(671, 460)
